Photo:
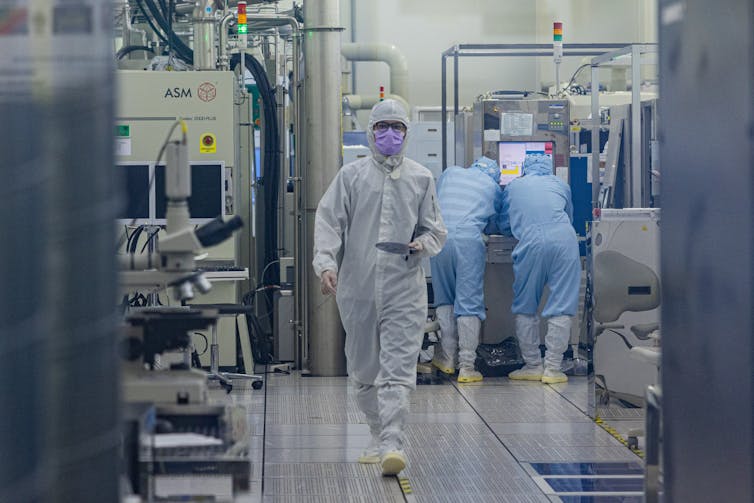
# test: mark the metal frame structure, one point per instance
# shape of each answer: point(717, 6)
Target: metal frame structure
point(500, 50)
point(618, 58)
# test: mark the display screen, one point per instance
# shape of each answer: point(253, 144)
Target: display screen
point(511, 156)
point(207, 191)
point(135, 179)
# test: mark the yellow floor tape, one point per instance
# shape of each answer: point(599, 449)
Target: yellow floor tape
point(612, 431)
point(405, 486)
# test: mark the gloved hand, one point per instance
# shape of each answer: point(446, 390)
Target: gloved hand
point(329, 282)
point(416, 246)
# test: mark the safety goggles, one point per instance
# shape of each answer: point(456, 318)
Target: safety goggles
point(396, 126)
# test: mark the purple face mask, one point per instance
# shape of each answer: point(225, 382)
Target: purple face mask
point(388, 142)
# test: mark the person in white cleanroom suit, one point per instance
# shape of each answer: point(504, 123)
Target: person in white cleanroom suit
point(541, 217)
point(469, 198)
point(381, 296)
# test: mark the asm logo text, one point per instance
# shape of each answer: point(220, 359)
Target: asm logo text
point(177, 92)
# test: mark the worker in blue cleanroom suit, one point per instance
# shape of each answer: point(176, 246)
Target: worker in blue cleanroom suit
point(469, 198)
point(538, 210)
point(382, 297)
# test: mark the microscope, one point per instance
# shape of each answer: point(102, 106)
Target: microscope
point(151, 331)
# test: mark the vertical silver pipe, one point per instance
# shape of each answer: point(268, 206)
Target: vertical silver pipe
point(352, 14)
point(299, 287)
point(283, 167)
point(205, 53)
point(636, 145)
point(455, 82)
point(595, 137)
point(323, 159)
point(222, 41)
point(444, 110)
point(557, 79)
point(244, 181)
point(302, 267)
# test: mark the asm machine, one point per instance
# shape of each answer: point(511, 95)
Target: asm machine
point(148, 104)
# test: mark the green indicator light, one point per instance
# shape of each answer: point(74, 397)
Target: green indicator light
point(122, 131)
point(557, 38)
point(242, 30)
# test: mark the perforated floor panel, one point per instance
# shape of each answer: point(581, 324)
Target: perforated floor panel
point(463, 442)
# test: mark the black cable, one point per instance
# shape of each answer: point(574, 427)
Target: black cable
point(206, 342)
point(512, 92)
point(298, 12)
point(138, 300)
point(157, 15)
point(271, 159)
point(573, 77)
point(264, 272)
point(262, 343)
point(128, 238)
point(150, 23)
point(125, 51)
point(149, 239)
point(625, 341)
point(183, 51)
point(134, 241)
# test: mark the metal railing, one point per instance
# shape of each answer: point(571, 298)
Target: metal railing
point(501, 50)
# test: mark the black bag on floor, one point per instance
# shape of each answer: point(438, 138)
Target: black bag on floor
point(497, 360)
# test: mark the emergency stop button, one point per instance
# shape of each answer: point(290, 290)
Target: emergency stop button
point(208, 144)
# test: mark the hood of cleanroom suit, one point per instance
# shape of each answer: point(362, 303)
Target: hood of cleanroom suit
point(489, 167)
point(382, 297)
point(537, 164)
point(388, 110)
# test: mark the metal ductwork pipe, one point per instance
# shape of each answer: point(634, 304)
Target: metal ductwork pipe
point(324, 331)
point(222, 41)
point(205, 54)
point(59, 387)
point(386, 53)
point(364, 102)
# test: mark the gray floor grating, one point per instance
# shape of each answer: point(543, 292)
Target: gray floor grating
point(320, 470)
point(376, 487)
point(464, 443)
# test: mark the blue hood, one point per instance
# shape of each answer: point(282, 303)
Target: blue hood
point(488, 167)
point(537, 164)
